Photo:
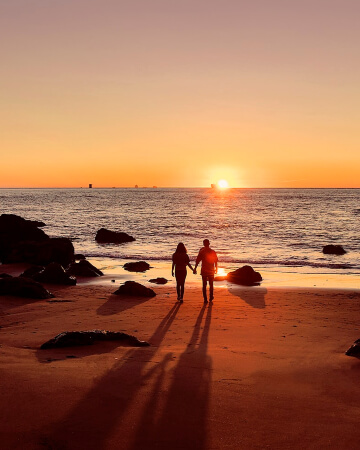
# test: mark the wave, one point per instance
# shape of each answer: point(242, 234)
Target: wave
point(230, 260)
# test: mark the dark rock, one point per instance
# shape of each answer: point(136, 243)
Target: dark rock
point(32, 271)
point(84, 269)
point(37, 223)
point(23, 287)
point(133, 289)
point(354, 350)
point(54, 273)
point(333, 250)
point(60, 250)
point(158, 280)
point(5, 275)
point(76, 338)
point(13, 231)
point(22, 241)
point(79, 256)
point(105, 236)
point(139, 266)
point(246, 276)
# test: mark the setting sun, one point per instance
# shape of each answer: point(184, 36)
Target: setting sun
point(223, 184)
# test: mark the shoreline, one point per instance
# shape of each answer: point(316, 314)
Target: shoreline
point(274, 277)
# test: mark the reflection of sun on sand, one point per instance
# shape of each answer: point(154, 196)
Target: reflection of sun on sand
point(259, 368)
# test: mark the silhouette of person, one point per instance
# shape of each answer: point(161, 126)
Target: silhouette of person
point(209, 260)
point(180, 260)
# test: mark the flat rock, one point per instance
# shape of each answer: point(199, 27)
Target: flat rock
point(334, 250)
point(139, 266)
point(134, 289)
point(105, 236)
point(158, 280)
point(77, 338)
point(354, 350)
point(23, 287)
point(246, 276)
point(83, 269)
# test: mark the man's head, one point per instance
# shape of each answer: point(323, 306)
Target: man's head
point(206, 243)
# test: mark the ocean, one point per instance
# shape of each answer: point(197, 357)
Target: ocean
point(277, 231)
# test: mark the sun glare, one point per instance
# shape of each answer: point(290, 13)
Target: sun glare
point(223, 184)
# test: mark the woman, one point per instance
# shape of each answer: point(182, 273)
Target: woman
point(180, 260)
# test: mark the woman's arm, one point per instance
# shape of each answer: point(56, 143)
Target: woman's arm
point(172, 268)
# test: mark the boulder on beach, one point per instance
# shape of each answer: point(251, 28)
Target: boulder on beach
point(105, 236)
point(77, 338)
point(53, 273)
point(333, 250)
point(22, 241)
point(158, 280)
point(139, 266)
point(354, 350)
point(134, 289)
point(59, 250)
point(246, 276)
point(83, 269)
point(23, 287)
point(13, 231)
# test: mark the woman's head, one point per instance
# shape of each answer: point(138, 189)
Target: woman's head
point(181, 248)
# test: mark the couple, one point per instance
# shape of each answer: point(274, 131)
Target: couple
point(209, 260)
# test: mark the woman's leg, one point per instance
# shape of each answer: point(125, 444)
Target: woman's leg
point(180, 278)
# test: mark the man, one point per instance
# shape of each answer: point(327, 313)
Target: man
point(209, 261)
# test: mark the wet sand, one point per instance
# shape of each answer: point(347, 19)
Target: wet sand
point(262, 367)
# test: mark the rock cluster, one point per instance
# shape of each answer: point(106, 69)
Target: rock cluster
point(105, 236)
point(77, 338)
point(133, 289)
point(54, 273)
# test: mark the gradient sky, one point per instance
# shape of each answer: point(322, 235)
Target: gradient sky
point(262, 93)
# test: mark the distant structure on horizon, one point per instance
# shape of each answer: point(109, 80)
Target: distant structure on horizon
point(90, 186)
point(213, 186)
point(136, 186)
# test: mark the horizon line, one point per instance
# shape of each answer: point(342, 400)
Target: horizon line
point(168, 187)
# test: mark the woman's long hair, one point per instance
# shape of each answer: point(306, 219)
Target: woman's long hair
point(181, 248)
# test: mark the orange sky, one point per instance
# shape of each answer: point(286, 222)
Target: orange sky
point(166, 93)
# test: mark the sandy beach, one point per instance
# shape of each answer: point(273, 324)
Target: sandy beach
point(260, 368)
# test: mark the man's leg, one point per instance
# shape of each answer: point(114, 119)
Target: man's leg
point(204, 279)
point(211, 284)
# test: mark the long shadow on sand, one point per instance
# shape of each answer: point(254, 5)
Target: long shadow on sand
point(107, 403)
point(253, 296)
point(118, 303)
point(175, 414)
point(182, 419)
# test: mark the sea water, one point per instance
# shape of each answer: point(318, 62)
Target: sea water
point(280, 232)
